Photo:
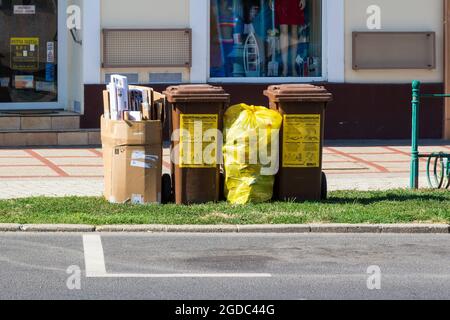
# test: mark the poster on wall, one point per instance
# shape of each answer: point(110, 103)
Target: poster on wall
point(24, 54)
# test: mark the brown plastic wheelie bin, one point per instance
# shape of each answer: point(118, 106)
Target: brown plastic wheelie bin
point(300, 177)
point(196, 179)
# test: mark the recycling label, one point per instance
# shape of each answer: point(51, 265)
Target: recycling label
point(198, 140)
point(301, 141)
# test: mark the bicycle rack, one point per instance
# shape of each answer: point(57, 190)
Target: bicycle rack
point(438, 173)
point(438, 164)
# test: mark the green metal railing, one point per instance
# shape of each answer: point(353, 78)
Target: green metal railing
point(438, 165)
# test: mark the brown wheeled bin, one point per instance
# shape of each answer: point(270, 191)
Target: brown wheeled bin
point(196, 177)
point(300, 177)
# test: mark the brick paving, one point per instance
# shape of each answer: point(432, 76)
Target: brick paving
point(79, 171)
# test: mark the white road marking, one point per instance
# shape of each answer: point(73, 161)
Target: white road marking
point(184, 275)
point(94, 260)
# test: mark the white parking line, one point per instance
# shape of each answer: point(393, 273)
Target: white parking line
point(184, 275)
point(94, 260)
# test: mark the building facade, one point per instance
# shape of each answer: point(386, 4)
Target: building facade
point(366, 56)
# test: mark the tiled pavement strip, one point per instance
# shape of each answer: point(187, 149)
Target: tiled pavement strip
point(78, 171)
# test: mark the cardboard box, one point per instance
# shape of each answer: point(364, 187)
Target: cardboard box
point(132, 153)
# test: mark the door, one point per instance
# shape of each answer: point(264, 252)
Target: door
point(28, 54)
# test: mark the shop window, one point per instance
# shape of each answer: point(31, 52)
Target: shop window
point(28, 51)
point(266, 38)
point(168, 77)
point(133, 78)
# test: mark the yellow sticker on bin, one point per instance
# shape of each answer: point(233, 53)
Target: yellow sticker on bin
point(301, 141)
point(198, 140)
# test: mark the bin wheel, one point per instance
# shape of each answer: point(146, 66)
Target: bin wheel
point(222, 187)
point(324, 188)
point(166, 189)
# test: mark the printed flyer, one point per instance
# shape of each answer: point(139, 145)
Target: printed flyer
point(24, 54)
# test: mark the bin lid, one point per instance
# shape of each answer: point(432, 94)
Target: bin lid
point(298, 93)
point(196, 93)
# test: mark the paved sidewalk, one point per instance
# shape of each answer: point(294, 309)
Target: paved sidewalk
point(374, 165)
point(79, 172)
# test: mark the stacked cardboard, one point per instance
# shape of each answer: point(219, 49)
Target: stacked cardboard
point(132, 146)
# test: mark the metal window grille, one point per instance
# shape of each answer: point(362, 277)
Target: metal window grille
point(125, 48)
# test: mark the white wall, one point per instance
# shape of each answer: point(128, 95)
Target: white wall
point(396, 15)
point(75, 70)
point(84, 60)
point(145, 13)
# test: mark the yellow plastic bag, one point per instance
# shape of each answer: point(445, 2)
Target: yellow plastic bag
point(251, 153)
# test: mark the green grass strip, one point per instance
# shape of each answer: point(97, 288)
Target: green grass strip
point(395, 206)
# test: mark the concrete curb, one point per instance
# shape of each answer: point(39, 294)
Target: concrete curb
point(297, 228)
point(9, 227)
point(131, 228)
point(202, 229)
point(300, 229)
point(56, 228)
point(346, 228)
point(424, 228)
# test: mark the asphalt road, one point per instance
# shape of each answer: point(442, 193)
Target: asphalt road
point(140, 266)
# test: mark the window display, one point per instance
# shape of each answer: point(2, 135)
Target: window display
point(28, 57)
point(266, 38)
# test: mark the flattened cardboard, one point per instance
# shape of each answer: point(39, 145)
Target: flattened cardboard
point(106, 111)
point(153, 110)
point(146, 113)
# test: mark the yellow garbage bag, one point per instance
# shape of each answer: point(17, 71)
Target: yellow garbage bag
point(251, 153)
